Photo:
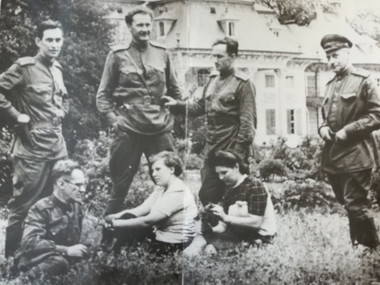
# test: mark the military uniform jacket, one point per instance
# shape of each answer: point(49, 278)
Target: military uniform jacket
point(133, 83)
point(230, 107)
point(49, 223)
point(352, 103)
point(35, 87)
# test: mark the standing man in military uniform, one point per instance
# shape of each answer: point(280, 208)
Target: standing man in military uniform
point(37, 104)
point(53, 226)
point(351, 111)
point(229, 104)
point(135, 78)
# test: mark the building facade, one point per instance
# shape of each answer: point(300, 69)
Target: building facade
point(285, 62)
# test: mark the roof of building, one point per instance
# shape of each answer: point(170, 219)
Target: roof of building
point(257, 29)
point(197, 27)
point(196, 24)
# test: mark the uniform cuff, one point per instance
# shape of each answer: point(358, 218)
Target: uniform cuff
point(349, 129)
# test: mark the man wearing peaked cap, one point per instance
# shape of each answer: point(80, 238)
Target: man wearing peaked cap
point(351, 111)
point(334, 42)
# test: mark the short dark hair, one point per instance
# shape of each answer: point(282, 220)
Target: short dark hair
point(225, 159)
point(232, 45)
point(47, 25)
point(63, 167)
point(138, 10)
point(171, 159)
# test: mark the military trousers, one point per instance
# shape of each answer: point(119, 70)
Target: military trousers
point(126, 152)
point(351, 190)
point(53, 265)
point(31, 182)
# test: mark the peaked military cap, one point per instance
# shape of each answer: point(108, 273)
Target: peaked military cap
point(332, 42)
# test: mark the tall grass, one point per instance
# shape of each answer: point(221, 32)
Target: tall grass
point(310, 248)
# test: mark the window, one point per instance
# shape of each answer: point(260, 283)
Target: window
point(202, 76)
point(378, 82)
point(291, 121)
point(294, 121)
point(289, 81)
point(270, 115)
point(161, 28)
point(269, 81)
point(311, 88)
point(231, 28)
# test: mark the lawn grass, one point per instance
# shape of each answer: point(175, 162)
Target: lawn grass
point(312, 247)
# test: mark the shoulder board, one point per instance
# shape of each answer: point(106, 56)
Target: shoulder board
point(157, 45)
point(23, 61)
point(44, 203)
point(57, 64)
point(361, 72)
point(119, 48)
point(241, 76)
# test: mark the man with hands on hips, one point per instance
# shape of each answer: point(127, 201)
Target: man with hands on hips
point(351, 111)
point(135, 79)
point(33, 97)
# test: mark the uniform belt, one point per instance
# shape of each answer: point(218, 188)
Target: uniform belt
point(222, 120)
point(55, 122)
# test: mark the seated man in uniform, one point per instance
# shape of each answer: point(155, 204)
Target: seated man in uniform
point(245, 212)
point(53, 225)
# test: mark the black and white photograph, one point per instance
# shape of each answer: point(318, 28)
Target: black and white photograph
point(189, 142)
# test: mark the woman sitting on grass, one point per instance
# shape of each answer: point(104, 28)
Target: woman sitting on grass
point(244, 213)
point(169, 212)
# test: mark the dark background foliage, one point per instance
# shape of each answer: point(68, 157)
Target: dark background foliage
point(87, 38)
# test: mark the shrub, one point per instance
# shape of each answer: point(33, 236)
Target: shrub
point(309, 194)
point(87, 37)
point(270, 167)
point(6, 166)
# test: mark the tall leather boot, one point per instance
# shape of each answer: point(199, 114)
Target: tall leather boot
point(13, 236)
point(363, 231)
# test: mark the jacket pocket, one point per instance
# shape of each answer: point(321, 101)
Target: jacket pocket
point(39, 91)
point(129, 76)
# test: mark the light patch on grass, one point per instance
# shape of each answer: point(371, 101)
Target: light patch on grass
point(309, 249)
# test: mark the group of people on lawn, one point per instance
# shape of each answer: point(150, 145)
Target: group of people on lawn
point(139, 94)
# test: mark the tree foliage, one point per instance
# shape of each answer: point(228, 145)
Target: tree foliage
point(87, 38)
point(300, 12)
point(367, 21)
